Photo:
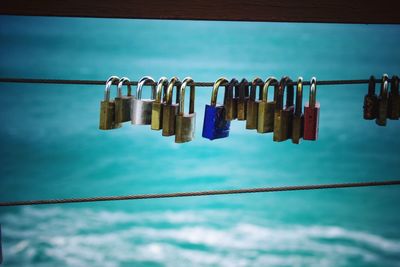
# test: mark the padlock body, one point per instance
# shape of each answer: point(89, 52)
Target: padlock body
point(185, 128)
point(370, 107)
point(311, 122)
point(122, 109)
point(252, 115)
point(141, 111)
point(156, 116)
point(297, 128)
point(266, 112)
point(242, 108)
point(393, 106)
point(382, 111)
point(231, 109)
point(107, 116)
point(169, 119)
point(215, 125)
point(283, 121)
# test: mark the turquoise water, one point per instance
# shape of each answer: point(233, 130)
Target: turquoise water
point(51, 148)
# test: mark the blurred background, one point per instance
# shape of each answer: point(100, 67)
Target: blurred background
point(51, 147)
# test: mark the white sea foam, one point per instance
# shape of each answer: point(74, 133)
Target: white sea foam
point(84, 237)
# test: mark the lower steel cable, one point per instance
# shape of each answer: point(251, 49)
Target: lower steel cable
point(200, 193)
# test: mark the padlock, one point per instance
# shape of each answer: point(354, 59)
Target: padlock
point(123, 103)
point(383, 102)
point(371, 101)
point(170, 110)
point(283, 116)
point(230, 100)
point(185, 123)
point(157, 108)
point(265, 123)
point(252, 104)
point(107, 108)
point(215, 125)
point(394, 99)
point(311, 113)
point(298, 116)
point(141, 108)
point(243, 92)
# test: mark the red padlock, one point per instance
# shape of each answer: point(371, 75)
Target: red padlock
point(311, 114)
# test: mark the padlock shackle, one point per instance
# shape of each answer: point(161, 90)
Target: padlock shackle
point(121, 83)
point(162, 83)
point(229, 90)
point(394, 85)
point(283, 85)
point(141, 83)
point(109, 82)
point(214, 94)
point(181, 108)
point(299, 97)
point(371, 85)
point(265, 88)
point(313, 92)
point(256, 82)
point(243, 89)
point(384, 86)
point(173, 82)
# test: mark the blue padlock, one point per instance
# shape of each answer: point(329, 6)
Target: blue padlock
point(215, 125)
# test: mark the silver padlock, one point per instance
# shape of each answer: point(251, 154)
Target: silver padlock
point(141, 108)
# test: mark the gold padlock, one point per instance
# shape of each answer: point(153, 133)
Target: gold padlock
point(283, 117)
point(107, 108)
point(266, 109)
point(170, 110)
point(252, 104)
point(383, 102)
point(230, 100)
point(243, 92)
point(123, 103)
point(185, 123)
point(298, 116)
point(157, 108)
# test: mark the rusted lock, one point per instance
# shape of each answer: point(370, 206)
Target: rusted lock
point(283, 118)
point(311, 114)
point(371, 101)
point(243, 92)
point(252, 104)
point(230, 101)
point(383, 102)
point(394, 99)
point(170, 110)
point(298, 116)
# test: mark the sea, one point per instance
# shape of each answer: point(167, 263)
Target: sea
point(51, 147)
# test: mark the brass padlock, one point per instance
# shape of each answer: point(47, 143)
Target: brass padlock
point(243, 92)
point(185, 123)
point(383, 102)
point(141, 108)
point(123, 103)
point(370, 101)
point(266, 109)
point(394, 99)
point(170, 110)
point(298, 116)
point(230, 100)
point(252, 104)
point(283, 117)
point(107, 108)
point(157, 108)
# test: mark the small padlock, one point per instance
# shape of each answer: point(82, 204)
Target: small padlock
point(123, 103)
point(215, 125)
point(283, 117)
point(107, 108)
point(185, 123)
point(371, 101)
point(141, 108)
point(394, 99)
point(157, 108)
point(252, 104)
point(311, 113)
point(230, 101)
point(383, 102)
point(170, 110)
point(266, 109)
point(243, 92)
point(298, 116)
